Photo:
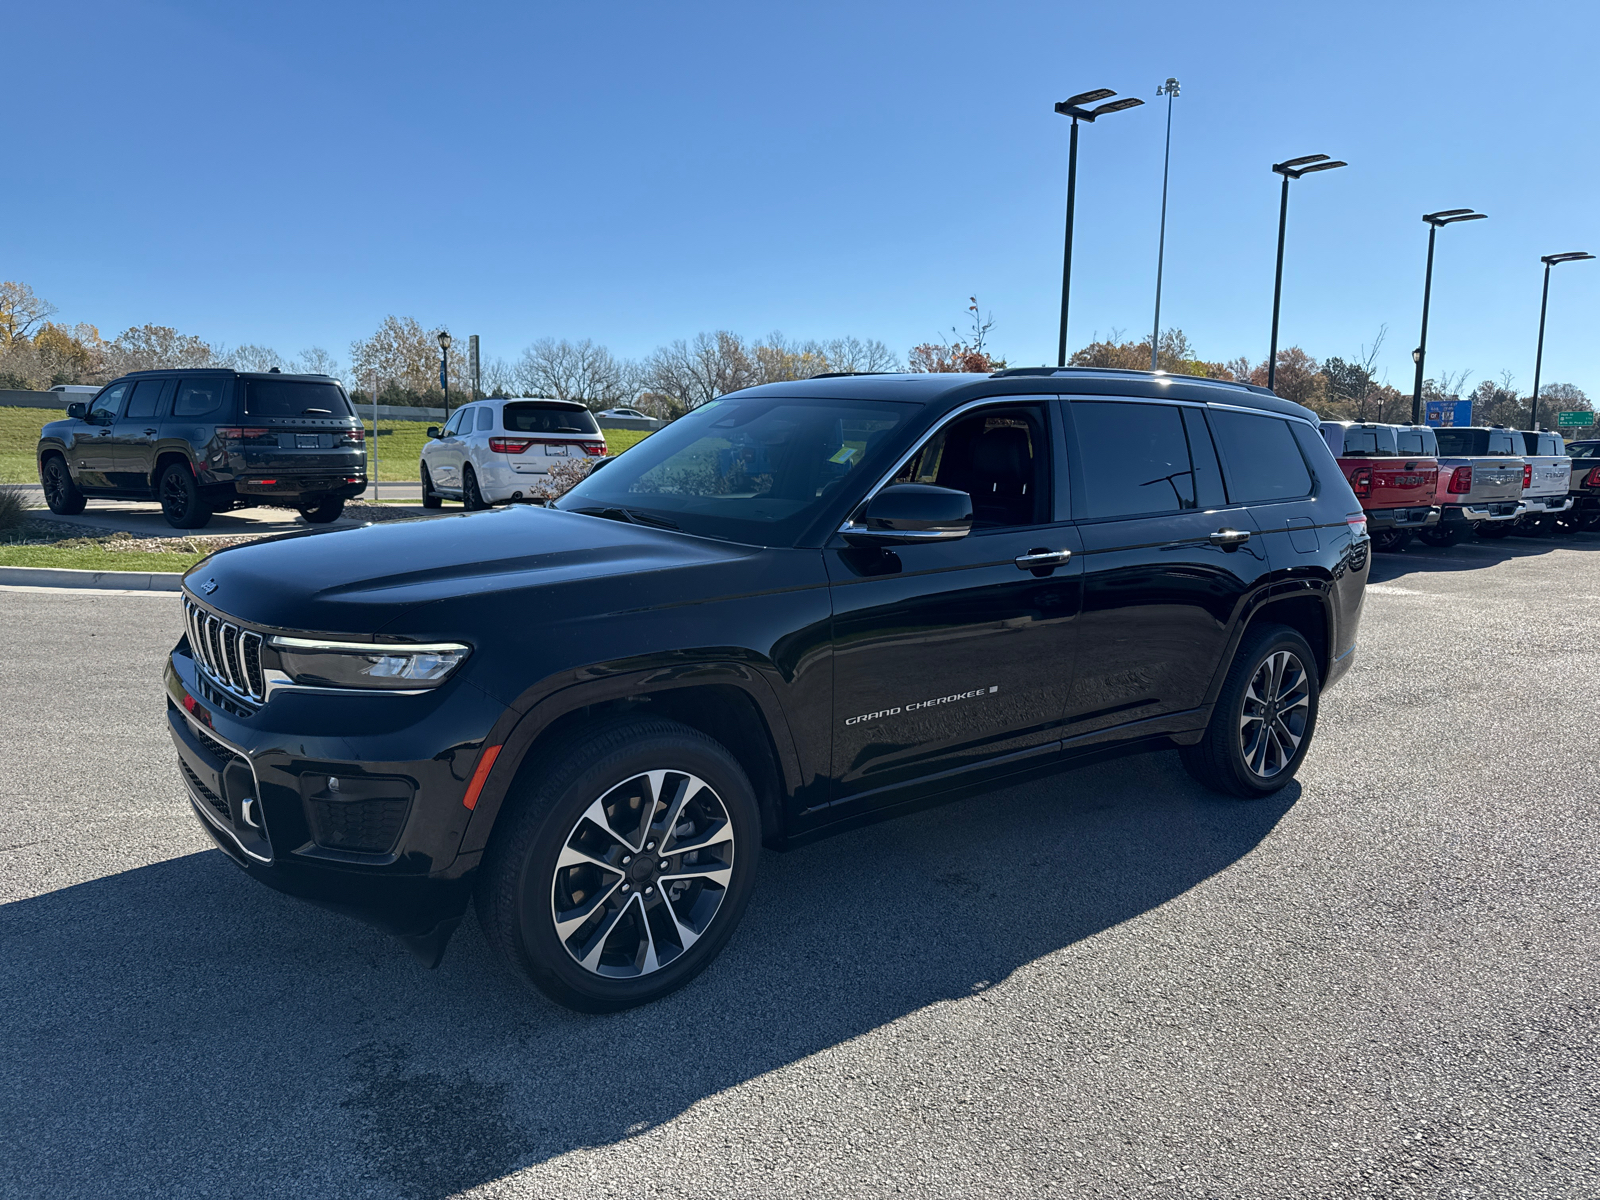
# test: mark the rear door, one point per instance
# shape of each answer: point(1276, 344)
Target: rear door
point(1265, 470)
point(135, 432)
point(1167, 559)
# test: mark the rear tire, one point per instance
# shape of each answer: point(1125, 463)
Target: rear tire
point(60, 493)
point(571, 893)
point(430, 498)
point(1442, 536)
point(471, 498)
point(181, 502)
point(1494, 530)
point(324, 513)
point(1390, 540)
point(1264, 718)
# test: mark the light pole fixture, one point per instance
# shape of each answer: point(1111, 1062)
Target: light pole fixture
point(1292, 169)
point(1074, 107)
point(444, 369)
point(1169, 89)
point(1549, 260)
point(1436, 221)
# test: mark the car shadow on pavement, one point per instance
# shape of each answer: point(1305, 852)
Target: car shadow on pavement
point(180, 1029)
point(1473, 554)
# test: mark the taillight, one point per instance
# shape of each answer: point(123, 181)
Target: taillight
point(355, 437)
point(594, 449)
point(1358, 525)
point(234, 433)
point(509, 445)
point(1592, 479)
point(1361, 482)
point(1460, 480)
point(1527, 475)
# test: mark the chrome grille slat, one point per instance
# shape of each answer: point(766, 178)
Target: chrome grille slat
point(228, 654)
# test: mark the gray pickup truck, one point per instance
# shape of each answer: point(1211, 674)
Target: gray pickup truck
point(1481, 472)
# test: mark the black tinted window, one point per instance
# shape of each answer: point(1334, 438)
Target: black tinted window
point(1501, 443)
point(1584, 450)
point(146, 395)
point(1366, 441)
point(292, 398)
point(1263, 461)
point(199, 397)
point(1417, 441)
point(485, 418)
point(1462, 441)
point(1135, 458)
point(548, 418)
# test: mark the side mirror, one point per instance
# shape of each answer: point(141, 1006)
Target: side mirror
point(433, 432)
point(906, 513)
point(76, 409)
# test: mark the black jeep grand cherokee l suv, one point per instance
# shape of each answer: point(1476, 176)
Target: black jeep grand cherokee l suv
point(204, 441)
point(797, 608)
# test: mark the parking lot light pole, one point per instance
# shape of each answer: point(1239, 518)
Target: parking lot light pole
point(1549, 260)
point(1169, 89)
point(1436, 221)
point(1294, 168)
point(444, 369)
point(1073, 106)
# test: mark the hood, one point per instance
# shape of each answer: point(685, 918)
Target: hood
point(356, 581)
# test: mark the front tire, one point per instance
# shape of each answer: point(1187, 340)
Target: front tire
point(430, 498)
point(1264, 718)
point(60, 493)
point(324, 513)
point(623, 864)
point(181, 502)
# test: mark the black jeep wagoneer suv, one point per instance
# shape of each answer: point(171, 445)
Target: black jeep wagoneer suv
point(799, 607)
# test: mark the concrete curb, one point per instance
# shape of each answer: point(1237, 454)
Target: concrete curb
point(66, 577)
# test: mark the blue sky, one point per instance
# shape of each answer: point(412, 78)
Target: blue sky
point(288, 174)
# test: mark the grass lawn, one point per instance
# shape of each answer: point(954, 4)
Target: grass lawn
point(93, 558)
point(399, 444)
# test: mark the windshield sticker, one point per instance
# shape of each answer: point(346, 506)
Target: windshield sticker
point(916, 705)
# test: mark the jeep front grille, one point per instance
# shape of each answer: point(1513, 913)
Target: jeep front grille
point(229, 654)
point(200, 789)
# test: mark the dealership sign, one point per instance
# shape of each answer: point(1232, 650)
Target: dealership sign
point(1445, 414)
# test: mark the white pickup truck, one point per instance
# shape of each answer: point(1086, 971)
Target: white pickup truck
point(1545, 481)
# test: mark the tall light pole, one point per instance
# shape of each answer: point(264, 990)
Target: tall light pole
point(444, 369)
point(1169, 89)
point(1436, 221)
point(1073, 106)
point(1549, 260)
point(1292, 169)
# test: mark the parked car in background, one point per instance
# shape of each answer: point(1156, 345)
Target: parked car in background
point(802, 607)
point(627, 414)
point(78, 391)
point(1545, 482)
point(1393, 472)
point(1481, 471)
point(204, 442)
point(495, 451)
point(1583, 488)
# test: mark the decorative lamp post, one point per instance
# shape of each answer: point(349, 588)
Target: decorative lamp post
point(444, 369)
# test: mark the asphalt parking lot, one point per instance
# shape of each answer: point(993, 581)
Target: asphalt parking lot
point(1380, 982)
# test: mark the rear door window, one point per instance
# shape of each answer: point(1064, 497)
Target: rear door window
point(548, 418)
point(1135, 458)
point(1261, 458)
point(146, 398)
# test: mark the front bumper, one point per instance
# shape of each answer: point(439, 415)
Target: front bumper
point(1416, 517)
point(386, 849)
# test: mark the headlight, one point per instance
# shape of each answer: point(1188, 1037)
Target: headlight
point(396, 667)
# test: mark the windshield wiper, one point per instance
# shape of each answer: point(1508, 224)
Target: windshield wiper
point(630, 515)
point(326, 412)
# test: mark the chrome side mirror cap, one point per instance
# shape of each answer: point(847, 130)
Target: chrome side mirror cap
point(906, 513)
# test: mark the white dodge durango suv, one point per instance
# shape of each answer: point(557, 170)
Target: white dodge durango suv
point(494, 451)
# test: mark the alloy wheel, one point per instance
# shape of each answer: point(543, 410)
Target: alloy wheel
point(642, 874)
point(174, 496)
point(54, 486)
point(1277, 707)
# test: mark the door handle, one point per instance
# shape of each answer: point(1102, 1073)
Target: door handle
point(1230, 539)
point(105, 433)
point(149, 433)
point(1035, 559)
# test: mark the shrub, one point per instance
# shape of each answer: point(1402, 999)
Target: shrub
point(13, 508)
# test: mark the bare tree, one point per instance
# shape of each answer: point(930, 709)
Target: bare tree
point(498, 377)
point(156, 347)
point(250, 357)
point(21, 312)
point(692, 373)
point(580, 371)
point(406, 356)
point(314, 360)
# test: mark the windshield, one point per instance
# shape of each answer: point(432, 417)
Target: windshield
point(291, 398)
point(548, 418)
point(757, 470)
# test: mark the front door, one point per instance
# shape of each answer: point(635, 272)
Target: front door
point(949, 654)
point(1165, 561)
point(133, 435)
point(90, 455)
point(445, 455)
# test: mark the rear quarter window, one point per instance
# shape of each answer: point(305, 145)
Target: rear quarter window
point(201, 397)
point(1260, 456)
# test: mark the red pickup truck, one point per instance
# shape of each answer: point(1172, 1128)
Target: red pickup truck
point(1393, 470)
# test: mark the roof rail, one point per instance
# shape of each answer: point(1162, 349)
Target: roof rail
point(848, 374)
point(1205, 379)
